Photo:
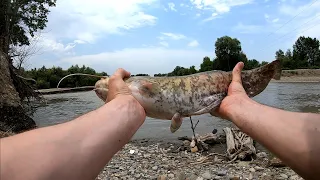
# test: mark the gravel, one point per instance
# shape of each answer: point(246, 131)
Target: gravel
point(163, 161)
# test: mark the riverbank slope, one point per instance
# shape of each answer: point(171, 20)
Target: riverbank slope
point(299, 75)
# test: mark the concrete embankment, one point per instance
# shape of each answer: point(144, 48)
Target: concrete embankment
point(65, 90)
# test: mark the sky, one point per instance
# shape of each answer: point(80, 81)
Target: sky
point(155, 36)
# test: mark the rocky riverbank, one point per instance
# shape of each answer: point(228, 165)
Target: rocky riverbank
point(150, 159)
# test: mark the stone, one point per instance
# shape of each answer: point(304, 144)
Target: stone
point(199, 178)
point(250, 176)
point(162, 177)
point(294, 177)
point(217, 159)
point(284, 176)
point(181, 176)
point(258, 168)
point(194, 149)
point(252, 170)
point(262, 155)
point(222, 173)
point(170, 175)
point(243, 163)
point(206, 175)
point(155, 168)
point(138, 175)
point(186, 143)
point(276, 162)
point(235, 178)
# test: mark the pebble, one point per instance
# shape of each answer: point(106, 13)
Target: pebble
point(137, 175)
point(262, 155)
point(284, 176)
point(222, 173)
point(150, 163)
point(206, 175)
point(258, 168)
point(235, 178)
point(294, 177)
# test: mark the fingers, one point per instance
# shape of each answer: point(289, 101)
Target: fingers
point(236, 73)
point(121, 73)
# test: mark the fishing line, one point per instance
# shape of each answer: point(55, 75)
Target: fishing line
point(79, 74)
point(281, 37)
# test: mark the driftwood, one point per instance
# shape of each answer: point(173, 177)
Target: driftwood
point(239, 145)
point(201, 143)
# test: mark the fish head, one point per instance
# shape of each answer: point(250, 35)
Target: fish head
point(101, 88)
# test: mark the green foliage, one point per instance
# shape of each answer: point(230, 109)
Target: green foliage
point(206, 65)
point(228, 53)
point(50, 77)
point(251, 64)
point(141, 75)
point(27, 17)
point(305, 54)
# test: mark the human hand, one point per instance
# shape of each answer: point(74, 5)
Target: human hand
point(236, 95)
point(117, 86)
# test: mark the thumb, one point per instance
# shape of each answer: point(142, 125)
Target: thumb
point(236, 72)
point(122, 73)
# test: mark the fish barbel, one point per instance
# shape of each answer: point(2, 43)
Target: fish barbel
point(173, 98)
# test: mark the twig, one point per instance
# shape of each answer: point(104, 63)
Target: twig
point(192, 127)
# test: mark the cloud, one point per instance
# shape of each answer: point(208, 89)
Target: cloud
point(86, 21)
point(164, 43)
point(172, 36)
point(172, 6)
point(193, 43)
point(219, 6)
point(248, 29)
point(150, 60)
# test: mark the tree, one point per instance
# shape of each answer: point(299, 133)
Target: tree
point(19, 20)
point(228, 53)
point(251, 64)
point(206, 65)
point(306, 51)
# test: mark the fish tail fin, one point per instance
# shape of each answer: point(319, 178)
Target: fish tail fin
point(277, 70)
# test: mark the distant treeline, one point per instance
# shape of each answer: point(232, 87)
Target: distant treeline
point(50, 77)
point(305, 54)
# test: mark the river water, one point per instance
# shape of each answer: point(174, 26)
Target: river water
point(301, 97)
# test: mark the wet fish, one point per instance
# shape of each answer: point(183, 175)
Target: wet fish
point(174, 98)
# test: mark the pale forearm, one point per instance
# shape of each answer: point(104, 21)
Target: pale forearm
point(291, 136)
point(77, 149)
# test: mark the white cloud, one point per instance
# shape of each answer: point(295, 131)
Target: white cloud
point(219, 6)
point(173, 36)
point(87, 21)
point(193, 43)
point(148, 60)
point(172, 6)
point(275, 20)
point(164, 43)
point(248, 29)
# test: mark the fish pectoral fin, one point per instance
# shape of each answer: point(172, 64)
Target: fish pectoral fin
point(176, 122)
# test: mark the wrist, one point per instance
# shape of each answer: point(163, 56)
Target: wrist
point(132, 104)
point(242, 109)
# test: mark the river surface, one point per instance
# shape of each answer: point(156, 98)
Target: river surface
point(300, 97)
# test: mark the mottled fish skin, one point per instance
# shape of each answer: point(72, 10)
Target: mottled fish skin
point(172, 98)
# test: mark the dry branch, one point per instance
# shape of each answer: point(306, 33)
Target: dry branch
point(239, 145)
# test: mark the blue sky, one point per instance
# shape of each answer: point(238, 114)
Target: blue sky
point(154, 36)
